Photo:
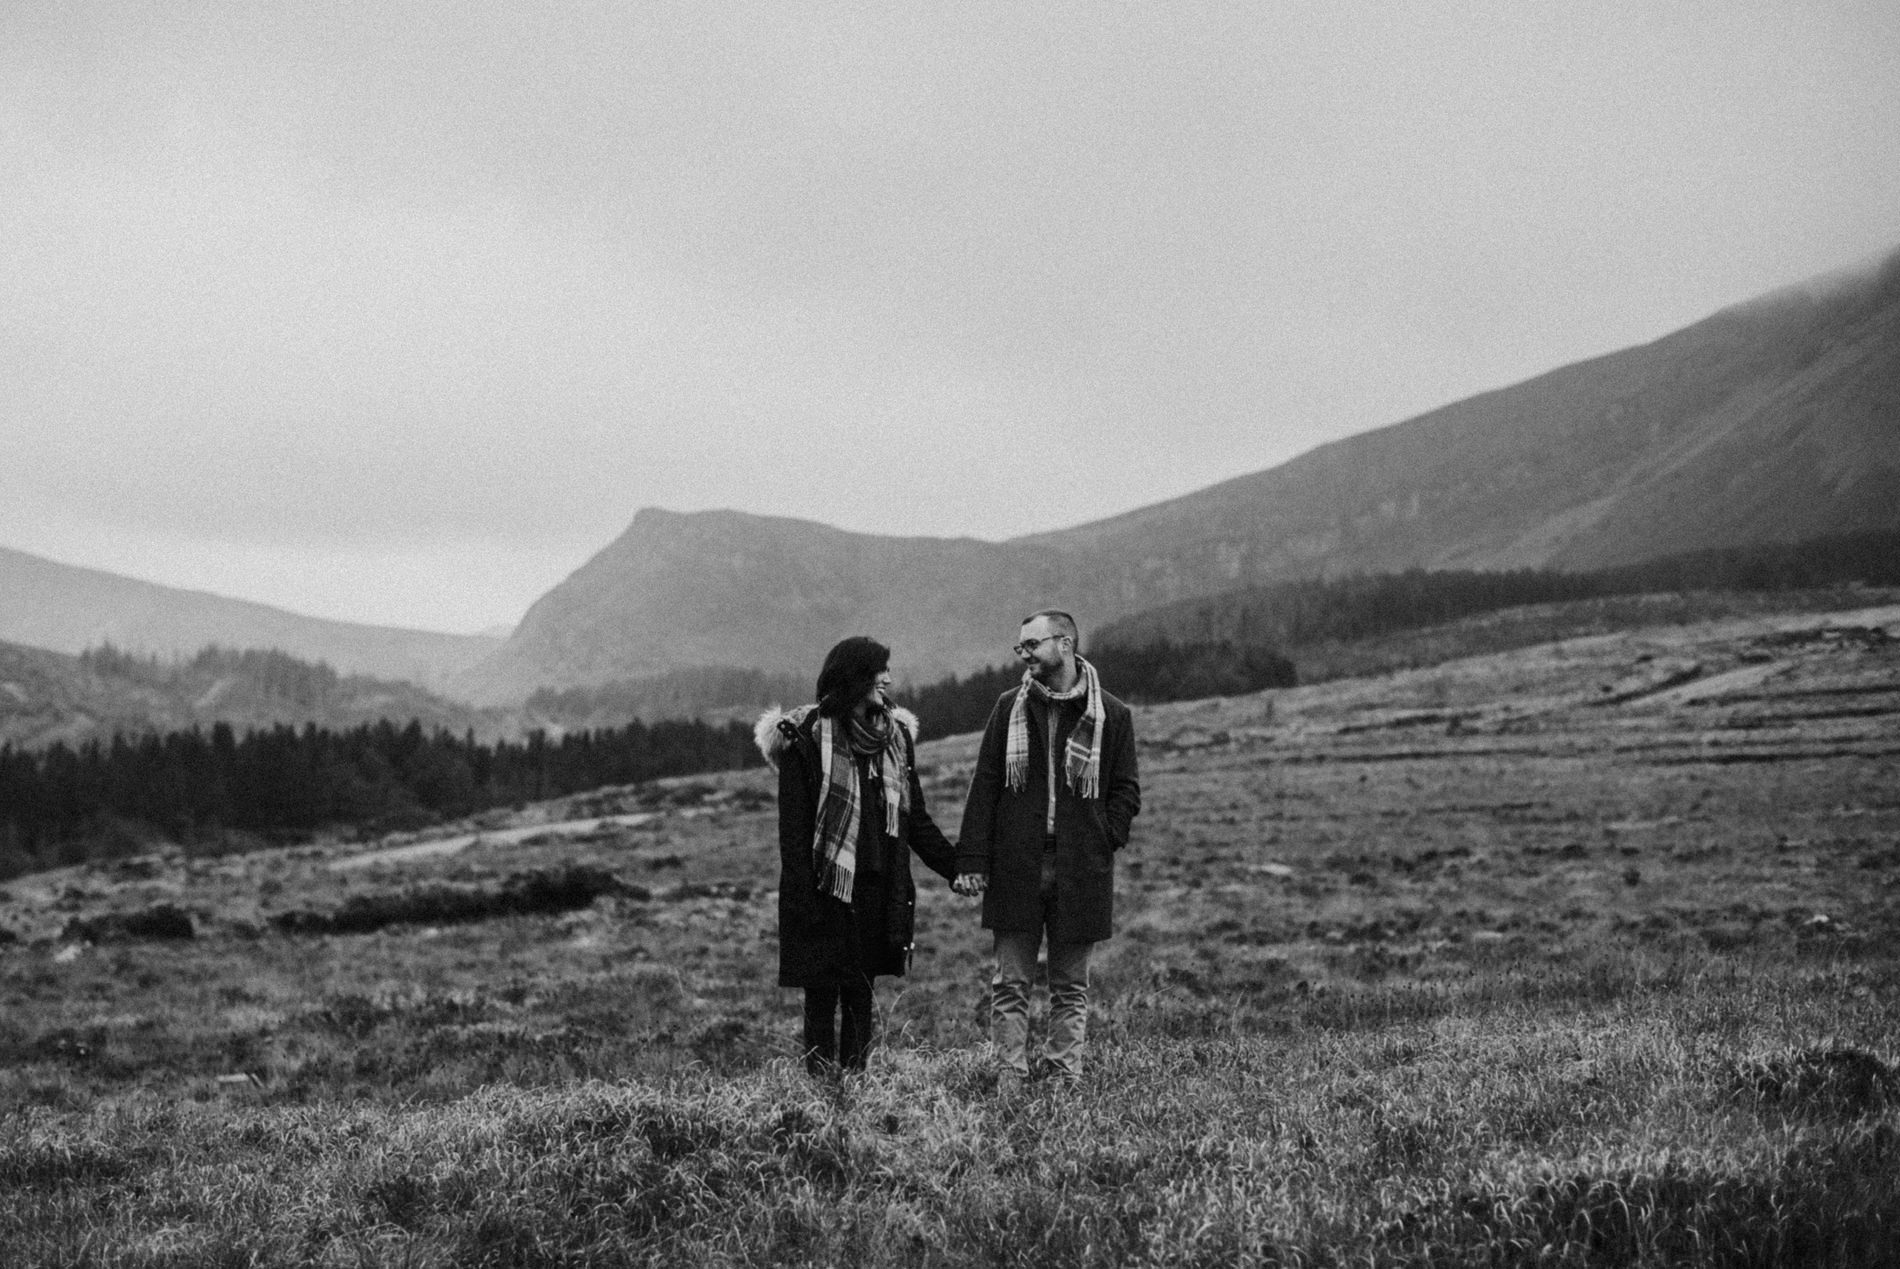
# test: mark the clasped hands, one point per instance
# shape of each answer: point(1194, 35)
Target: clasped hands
point(970, 884)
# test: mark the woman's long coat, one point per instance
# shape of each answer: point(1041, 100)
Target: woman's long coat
point(821, 937)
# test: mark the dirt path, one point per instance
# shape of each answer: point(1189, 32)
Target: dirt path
point(437, 848)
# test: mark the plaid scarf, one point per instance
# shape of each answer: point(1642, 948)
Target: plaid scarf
point(835, 830)
point(1083, 763)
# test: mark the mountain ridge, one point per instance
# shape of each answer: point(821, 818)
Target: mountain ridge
point(1692, 370)
point(1773, 419)
point(69, 608)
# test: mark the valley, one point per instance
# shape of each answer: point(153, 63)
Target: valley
point(1590, 943)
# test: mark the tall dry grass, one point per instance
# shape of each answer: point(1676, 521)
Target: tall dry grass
point(1592, 1118)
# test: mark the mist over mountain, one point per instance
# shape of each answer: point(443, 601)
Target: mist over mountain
point(1774, 420)
point(68, 609)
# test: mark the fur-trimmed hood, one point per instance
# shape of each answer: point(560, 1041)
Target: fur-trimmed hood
point(777, 726)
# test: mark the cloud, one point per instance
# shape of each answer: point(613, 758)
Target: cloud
point(362, 279)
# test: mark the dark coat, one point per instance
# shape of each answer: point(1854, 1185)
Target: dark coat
point(820, 938)
point(1002, 830)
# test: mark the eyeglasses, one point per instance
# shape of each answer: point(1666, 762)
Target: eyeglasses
point(1028, 646)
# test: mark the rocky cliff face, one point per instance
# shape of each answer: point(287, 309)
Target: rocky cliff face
point(1773, 420)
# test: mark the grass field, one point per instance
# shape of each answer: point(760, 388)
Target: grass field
point(1580, 954)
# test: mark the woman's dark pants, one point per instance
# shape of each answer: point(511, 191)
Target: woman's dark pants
point(830, 1040)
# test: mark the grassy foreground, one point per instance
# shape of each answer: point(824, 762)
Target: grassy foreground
point(1574, 956)
point(1624, 1113)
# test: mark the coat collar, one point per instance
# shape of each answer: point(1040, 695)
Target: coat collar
point(777, 727)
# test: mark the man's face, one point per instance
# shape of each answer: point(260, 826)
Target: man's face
point(1041, 648)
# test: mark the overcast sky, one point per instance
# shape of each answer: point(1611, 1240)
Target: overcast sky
point(397, 312)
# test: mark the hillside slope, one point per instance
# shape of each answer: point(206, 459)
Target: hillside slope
point(49, 696)
point(65, 608)
point(1773, 420)
point(726, 588)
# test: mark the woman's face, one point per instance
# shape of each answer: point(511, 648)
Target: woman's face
point(877, 696)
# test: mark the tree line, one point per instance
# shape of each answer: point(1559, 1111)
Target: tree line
point(66, 804)
point(219, 789)
point(269, 672)
point(255, 687)
point(1285, 616)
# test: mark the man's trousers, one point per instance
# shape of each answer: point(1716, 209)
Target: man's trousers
point(1068, 990)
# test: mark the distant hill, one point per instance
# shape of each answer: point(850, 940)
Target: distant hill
point(1774, 420)
point(48, 696)
point(1771, 421)
point(723, 588)
point(64, 608)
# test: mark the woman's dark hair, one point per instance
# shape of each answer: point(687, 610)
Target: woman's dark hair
point(850, 669)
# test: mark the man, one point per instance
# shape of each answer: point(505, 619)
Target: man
point(1054, 793)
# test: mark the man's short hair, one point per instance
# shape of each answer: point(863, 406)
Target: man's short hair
point(1062, 621)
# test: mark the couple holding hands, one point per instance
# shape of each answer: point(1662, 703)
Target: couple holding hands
point(1050, 802)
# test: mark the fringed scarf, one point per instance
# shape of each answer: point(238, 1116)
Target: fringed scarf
point(1083, 758)
point(841, 742)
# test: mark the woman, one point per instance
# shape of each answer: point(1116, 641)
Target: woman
point(850, 814)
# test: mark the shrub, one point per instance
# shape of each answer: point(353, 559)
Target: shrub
point(523, 893)
point(161, 921)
